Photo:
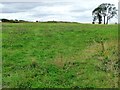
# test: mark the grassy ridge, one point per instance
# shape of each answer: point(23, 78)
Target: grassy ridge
point(59, 55)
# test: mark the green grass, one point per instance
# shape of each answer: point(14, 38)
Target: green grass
point(59, 55)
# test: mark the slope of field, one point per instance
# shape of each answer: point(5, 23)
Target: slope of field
point(59, 55)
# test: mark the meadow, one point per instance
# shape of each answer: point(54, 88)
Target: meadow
point(59, 55)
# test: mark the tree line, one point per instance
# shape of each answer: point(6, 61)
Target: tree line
point(22, 21)
point(13, 21)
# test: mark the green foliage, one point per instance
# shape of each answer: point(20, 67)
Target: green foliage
point(59, 55)
point(104, 10)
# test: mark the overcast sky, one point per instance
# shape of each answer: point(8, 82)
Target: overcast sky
point(47, 10)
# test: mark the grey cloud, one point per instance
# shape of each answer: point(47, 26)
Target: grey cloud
point(12, 7)
point(55, 3)
point(79, 10)
point(42, 15)
point(18, 7)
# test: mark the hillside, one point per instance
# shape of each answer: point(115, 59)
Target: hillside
point(59, 55)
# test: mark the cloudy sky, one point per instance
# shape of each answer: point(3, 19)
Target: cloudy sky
point(47, 10)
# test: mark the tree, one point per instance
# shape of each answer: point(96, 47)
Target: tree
point(97, 15)
point(104, 10)
point(4, 20)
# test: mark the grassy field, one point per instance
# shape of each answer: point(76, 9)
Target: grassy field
point(59, 55)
